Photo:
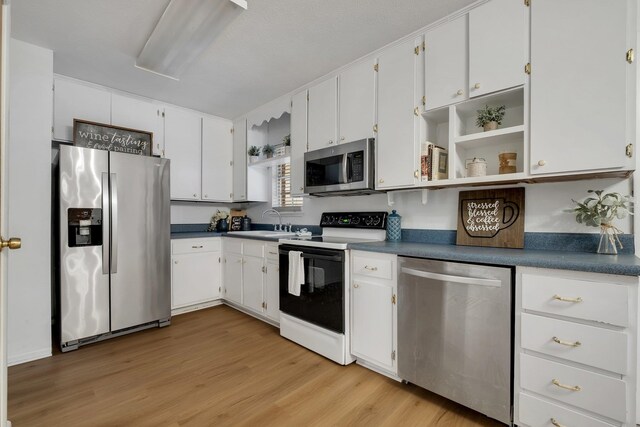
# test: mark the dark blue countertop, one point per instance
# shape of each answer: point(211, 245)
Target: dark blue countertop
point(627, 265)
point(195, 234)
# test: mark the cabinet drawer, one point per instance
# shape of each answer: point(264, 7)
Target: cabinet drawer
point(233, 245)
point(597, 301)
point(271, 251)
point(373, 266)
point(253, 248)
point(589, 345)
point(188, 246)
point(535, 412)
point(597, 393)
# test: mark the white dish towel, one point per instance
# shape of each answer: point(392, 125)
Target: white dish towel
point(296, 272)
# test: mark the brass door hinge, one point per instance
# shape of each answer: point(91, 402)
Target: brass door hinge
point(424, 100)
point(527, 2)
point(375, 67)
point(264, 269)
point(424, 46)
point(231, 130)
point(218, 260)
point(393, 355)
point(393, 299)
point(263, 305)
point(220, 289)
point(629, 150)
point(416, 111)
point(375, 128)
point(416, 50)
point(307, 96)
point(231, 163)
point(163, 114)
point(630, 56)
point(527, 68)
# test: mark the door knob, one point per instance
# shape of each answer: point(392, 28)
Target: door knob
point(541, 162)
point(460, 92)
point(12, 243)
point(331, 141)
point(477, 86)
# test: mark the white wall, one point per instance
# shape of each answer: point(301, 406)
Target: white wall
point(29, 198)
point(544, 207)
point(194, 213)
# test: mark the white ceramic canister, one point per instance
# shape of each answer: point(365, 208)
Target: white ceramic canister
point(476, 167)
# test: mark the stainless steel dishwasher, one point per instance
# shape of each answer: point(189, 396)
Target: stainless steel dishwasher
point(454, 332)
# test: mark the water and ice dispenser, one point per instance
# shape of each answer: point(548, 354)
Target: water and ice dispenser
point(85, 227)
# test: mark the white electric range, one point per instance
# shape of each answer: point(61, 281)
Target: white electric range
point(319, 318)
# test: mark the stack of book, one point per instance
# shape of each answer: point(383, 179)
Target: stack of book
point(434, 162)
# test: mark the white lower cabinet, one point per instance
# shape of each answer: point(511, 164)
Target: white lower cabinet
point(575, 349)
point(251, 276)
point(374, 311)
point(195, 271)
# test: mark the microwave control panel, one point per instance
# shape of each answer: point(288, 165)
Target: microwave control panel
point(370, 220)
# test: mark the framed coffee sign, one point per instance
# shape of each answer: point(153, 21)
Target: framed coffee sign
point(111, 138)
point(492, 218)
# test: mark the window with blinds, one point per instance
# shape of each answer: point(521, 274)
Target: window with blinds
point(281, 192)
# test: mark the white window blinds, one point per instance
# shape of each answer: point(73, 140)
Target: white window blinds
point(281, 192)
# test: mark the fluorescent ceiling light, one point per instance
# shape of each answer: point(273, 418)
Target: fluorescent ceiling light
point(185, 30)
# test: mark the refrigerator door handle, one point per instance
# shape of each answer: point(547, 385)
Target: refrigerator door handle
point(114, 223)
point(105, 223)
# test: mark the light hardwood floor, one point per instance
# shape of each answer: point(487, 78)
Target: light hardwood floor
point(216, 367)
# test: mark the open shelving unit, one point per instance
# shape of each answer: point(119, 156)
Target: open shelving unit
point(454, 128)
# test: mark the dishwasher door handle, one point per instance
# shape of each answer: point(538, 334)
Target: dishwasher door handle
point(455, 279)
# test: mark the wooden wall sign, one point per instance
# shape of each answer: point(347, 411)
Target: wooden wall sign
point(491, 218)
point(111, 138)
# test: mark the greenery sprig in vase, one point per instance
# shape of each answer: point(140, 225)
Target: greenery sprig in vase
point(600, 210)
point(268, 150)
point(219, 221)
point(490, 118)
point(253, 152)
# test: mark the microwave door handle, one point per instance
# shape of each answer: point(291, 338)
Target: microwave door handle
point(345, 162)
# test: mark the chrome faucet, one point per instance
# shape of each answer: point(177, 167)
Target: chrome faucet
point(276, 227)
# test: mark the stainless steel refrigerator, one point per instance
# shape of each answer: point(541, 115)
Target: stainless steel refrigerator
point(114, 244)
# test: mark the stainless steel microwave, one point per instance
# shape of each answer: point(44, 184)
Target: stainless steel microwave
point(340, 170)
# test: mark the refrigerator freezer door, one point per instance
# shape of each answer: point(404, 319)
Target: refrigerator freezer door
point(84, 283)
point(141, 240)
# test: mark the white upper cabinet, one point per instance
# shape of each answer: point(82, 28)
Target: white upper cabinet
point(298, 141)
point(139, 114)
point(397, 158)
point(323, 114)
point(446, 70)
point(217, 154)
point(357, 101)
point(580, 80)
point(240, 160)
point(73, 100)
point(183, 133)
point(496, 46)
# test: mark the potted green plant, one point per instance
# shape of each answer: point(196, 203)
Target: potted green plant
point(254, 153)
point(286, 141)
point(600, 210)
point(490, 118)
point(268, 150)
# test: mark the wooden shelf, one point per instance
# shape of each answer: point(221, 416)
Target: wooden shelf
point(489, 138)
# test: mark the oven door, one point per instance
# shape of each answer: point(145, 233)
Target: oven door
point(322, 295)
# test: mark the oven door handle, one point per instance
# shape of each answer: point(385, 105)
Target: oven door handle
point(336, 258)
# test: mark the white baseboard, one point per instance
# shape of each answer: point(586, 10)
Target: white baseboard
point(199, 306)
point(28, 357)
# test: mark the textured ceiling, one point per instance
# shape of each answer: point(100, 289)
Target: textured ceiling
point(271, 49)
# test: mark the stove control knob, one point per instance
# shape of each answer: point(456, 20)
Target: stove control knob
point(330, 219)
point(355, 220)
point(368, 220)
point(376, 220)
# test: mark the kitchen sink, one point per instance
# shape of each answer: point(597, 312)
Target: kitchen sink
point(263, 233)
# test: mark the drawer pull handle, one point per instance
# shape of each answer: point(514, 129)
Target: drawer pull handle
point(556, 423)
point(566, 387)
point(565, 299)
point(367, 267)
point(273, 253)
point(196, 247)
point(567, 343)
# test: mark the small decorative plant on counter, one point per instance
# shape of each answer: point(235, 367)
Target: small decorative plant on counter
point(490, 118)
point(268, 150)
point(219, 221)
point(254, 152)
point(600, 210)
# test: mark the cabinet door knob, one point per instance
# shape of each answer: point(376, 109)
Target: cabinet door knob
point(381, 180)
point(355, 285)
point(175, 262)
point(476, 86)
point(459, 92)
point(331, 141)
point(195, 195)
point(301, 188)
point(342, 138)
point(206, 196)
point(542, 162)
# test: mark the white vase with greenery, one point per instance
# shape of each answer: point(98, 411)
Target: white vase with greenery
point(600, 210)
